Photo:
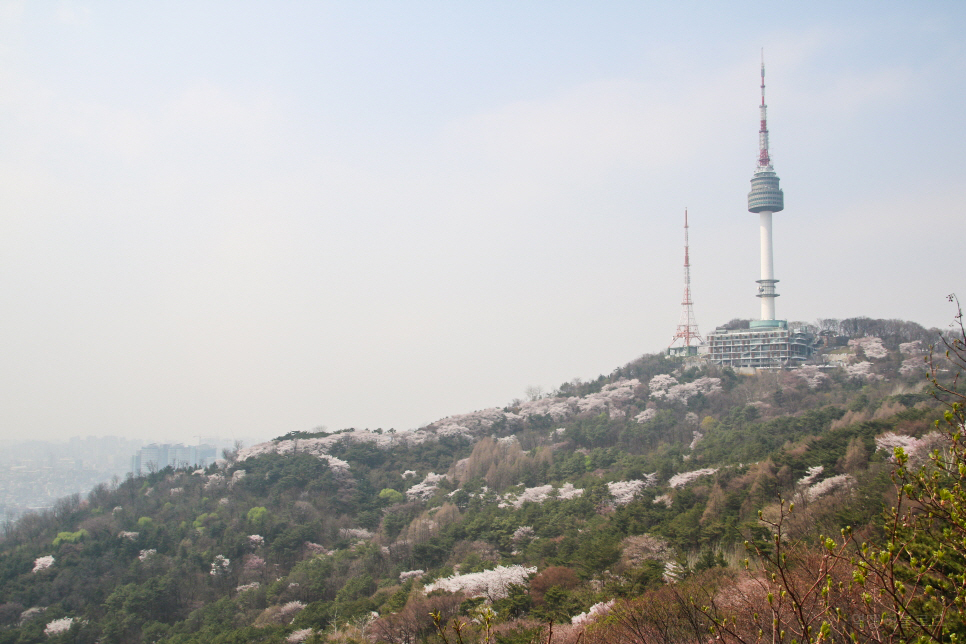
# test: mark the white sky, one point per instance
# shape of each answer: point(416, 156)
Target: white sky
point(247, 218)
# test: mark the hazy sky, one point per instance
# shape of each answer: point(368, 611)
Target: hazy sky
point(247, 218)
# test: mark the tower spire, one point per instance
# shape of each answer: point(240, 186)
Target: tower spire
point(763, 158)
point(687, 337)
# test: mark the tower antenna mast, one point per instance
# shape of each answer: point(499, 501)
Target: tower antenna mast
point(687, 337)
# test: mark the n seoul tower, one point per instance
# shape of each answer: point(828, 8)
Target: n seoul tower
point(765, 198)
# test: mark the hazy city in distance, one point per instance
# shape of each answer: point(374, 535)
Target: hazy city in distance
point(34, 474)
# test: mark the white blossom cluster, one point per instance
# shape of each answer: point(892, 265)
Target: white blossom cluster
point(913, 348)
point(289, 610)
point(126, 534)
point(426, 489)
point(409, 473)
point(684, 392)
point(870, 345)
point(32, 612)
point(253, 562)
point(696, 437)
point(862, 371)
point(537, 494)
point(467, 424)
point(828, 485)
point(411, 574)
point(144, 555)
point(636, 549)
point(606, 400)
point(175, 491)
point(609, 395)
point(645, 415)
point(673, 571)
point(214, 481)
point(317, 549)
point(459, 470)
point(810, 475)
point(58, 626)
point(43, 563)
point(255, 540)
point(482, 494)
point(523, 533)
point(661, 382)
point(220, 565)
point(251, 586)
point(665, 499)
point(890, 440)
point(556, 408)
point(568, 491)
point(354, 533)
point(625, 491)
point(666, 387)
point(319, 447)
point(452, 429)
point(910, 445)
point(684, 478)
point(811, 374)
point(913, 365)
point(299, 636)
point(598, 609)
point(493, 584)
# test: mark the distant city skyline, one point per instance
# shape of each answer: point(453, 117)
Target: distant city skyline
point(34, 474)
point(249, 218)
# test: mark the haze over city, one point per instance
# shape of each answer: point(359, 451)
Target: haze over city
point(250, 218)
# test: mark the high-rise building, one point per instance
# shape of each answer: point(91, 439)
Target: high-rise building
point(154, 457)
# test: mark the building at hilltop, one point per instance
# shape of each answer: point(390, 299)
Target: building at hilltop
point(768, 343)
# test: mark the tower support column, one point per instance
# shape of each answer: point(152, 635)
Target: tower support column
point(766, 285)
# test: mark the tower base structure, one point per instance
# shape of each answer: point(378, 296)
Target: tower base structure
point(684, 351)
point(765, 344)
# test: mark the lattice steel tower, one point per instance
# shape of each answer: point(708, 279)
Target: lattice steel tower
point(687, 338)
point(765, 198)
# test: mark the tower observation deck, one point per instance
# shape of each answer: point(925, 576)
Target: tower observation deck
point(765, 198)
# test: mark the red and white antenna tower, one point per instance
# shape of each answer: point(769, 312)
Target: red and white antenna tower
point(687, 338)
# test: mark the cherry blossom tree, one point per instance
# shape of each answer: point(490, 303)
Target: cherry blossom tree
point(43, 563)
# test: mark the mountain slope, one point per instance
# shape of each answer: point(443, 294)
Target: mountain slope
point(539, 510)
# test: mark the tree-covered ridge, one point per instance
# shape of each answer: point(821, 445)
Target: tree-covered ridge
point(541, 510)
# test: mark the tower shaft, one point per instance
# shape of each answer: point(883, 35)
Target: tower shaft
point(766, 285)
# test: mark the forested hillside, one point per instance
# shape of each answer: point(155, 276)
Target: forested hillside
point(650, 504)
